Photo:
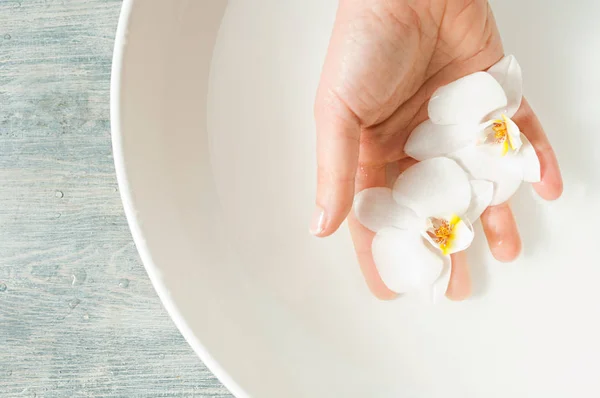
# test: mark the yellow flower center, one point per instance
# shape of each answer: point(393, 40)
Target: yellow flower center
point(500, 131)
point(499, 135)
point(441, 231)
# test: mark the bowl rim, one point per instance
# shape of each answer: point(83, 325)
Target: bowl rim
point(153, 270)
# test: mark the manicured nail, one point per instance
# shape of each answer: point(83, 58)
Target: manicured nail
point(317, 224)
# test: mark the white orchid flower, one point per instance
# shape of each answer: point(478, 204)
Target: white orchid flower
point(424, 218)
point(470, 122)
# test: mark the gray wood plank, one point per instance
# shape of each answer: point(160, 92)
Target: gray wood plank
point(78, 315)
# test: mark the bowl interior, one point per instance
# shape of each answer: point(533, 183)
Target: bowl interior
point(214, 141)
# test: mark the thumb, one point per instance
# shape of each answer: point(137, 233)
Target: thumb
point(338, 136)
point(338, 141)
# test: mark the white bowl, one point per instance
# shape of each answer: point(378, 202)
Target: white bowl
point(214, 155)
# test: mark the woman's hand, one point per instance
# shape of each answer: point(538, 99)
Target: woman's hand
point(385, 59)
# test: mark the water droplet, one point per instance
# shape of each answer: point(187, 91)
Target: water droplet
point(9, 373)
point(59, 194)
point(74, 303)
point(3, 287)
point(115, 189)
point(7, 36)
point(57, 215)
point(78, 277)
point(162, 356)
point(124, 283)
point(86, 317)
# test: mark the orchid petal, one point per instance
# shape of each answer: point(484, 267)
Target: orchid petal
point(482, 194)
point(436, 187)
point(514, 134)
point(403, 261)
point(484, 162)
point(530, 164)
point(430, 140)
point(440, 286)
point(466, 100)
point(508, 73)
point(375, 208)
point(462, 237)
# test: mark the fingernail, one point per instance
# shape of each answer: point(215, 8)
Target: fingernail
point(317, 224)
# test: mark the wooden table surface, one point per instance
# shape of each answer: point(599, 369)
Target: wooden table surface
point(78, 315)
